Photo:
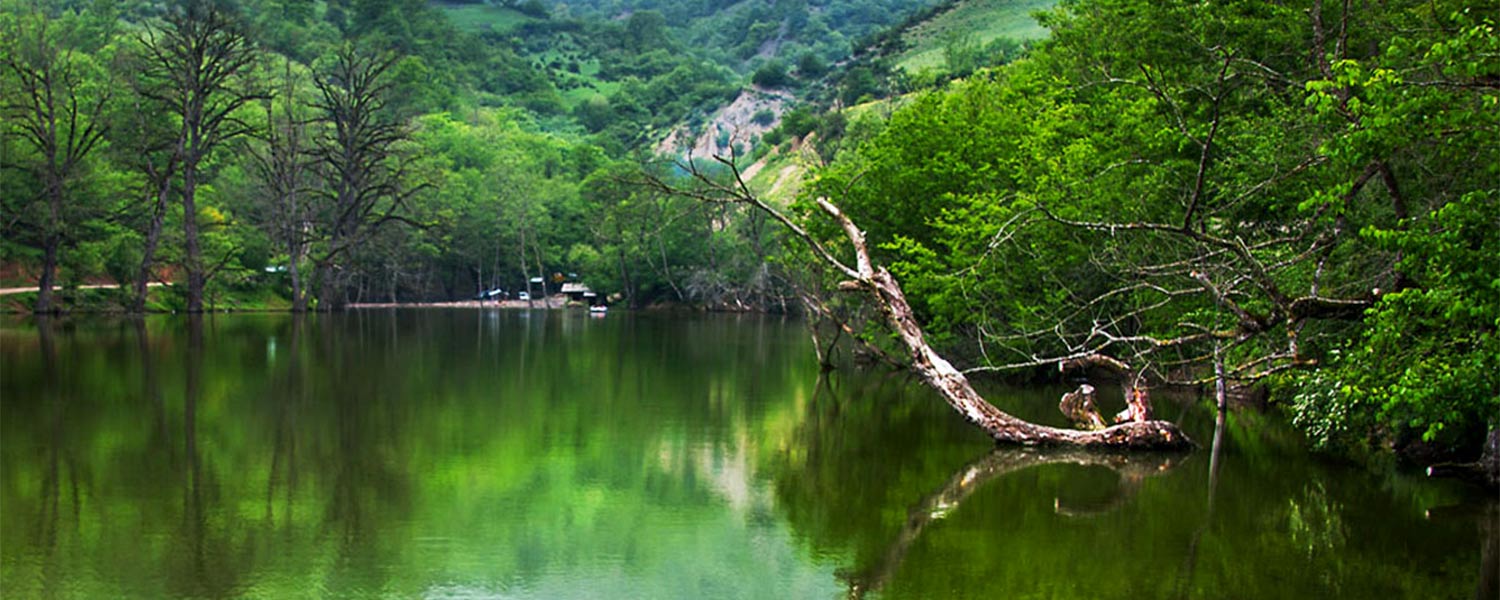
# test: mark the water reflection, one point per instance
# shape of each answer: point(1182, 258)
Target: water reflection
point(1132, 469)
point(546, 455)
point(932, 520)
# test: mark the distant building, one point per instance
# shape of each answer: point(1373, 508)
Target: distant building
point(578, 292)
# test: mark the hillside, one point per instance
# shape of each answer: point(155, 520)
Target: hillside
point(968, 24)
point(931, 47)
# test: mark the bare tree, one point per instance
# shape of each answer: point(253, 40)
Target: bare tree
point(197, 61)
point(364, 170)
point(284, 166)
point(51, 106)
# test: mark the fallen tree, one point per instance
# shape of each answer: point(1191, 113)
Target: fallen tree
point(951, 384)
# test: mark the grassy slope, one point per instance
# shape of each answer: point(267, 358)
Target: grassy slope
point(482, 17)
point(982, 20)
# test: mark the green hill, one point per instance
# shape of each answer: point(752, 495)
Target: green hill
point(971, 24)
point(480, 18)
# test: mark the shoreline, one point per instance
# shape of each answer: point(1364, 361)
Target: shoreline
point(552, 303)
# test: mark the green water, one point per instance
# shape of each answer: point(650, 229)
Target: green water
point(485, 454)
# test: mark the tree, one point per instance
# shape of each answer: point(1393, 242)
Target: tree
point(771, 75)
point(284, 167)
point(198, 60)
point(1419, 117)
point(880, 286)
point(148, 147)
point(53, 101)
point(1205, 205)
point(361, 162)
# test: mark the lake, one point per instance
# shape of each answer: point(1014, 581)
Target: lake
point(551, 454)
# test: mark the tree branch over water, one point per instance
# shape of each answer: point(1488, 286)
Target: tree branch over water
point(880, 286)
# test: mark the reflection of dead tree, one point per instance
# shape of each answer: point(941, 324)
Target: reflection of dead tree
point(879, 285)
point(1215, 461)
point(1132, 469)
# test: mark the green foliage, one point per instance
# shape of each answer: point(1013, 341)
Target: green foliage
point(810, 65)
point(1201, 187)
point(1428, 359)
point(489, 192)
point(1424, 364)
point(773, 74)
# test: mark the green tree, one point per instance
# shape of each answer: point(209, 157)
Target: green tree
point(199, 59)
point(1423, 367)
point(771, 75)
point(54, 99)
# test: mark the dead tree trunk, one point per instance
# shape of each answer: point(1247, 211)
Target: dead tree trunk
point(959, 393)
point(934, 370)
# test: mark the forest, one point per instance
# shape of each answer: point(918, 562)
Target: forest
point(1301, 197)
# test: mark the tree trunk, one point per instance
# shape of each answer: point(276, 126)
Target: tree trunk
point(325, 287)
point(525, 273)
point(299, 295)
point(49, 274)
point(52, 240)
point(148, 254)
point(956, 390)
point(194, 259)
point(627, 287)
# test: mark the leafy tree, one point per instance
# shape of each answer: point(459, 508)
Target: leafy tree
point(1423, 367)
point(54, 100)
point(1204, 198)
point(811, 66)
point(771, 75)
point(198, 62)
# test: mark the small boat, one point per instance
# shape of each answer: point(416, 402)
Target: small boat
point(598, 309)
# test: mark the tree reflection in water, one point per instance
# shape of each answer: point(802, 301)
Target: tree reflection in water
point(1132, 469)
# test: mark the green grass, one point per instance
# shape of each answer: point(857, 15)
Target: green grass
point(765, 182)
point(482, 17)
point(162, 299)
point(980, 20)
